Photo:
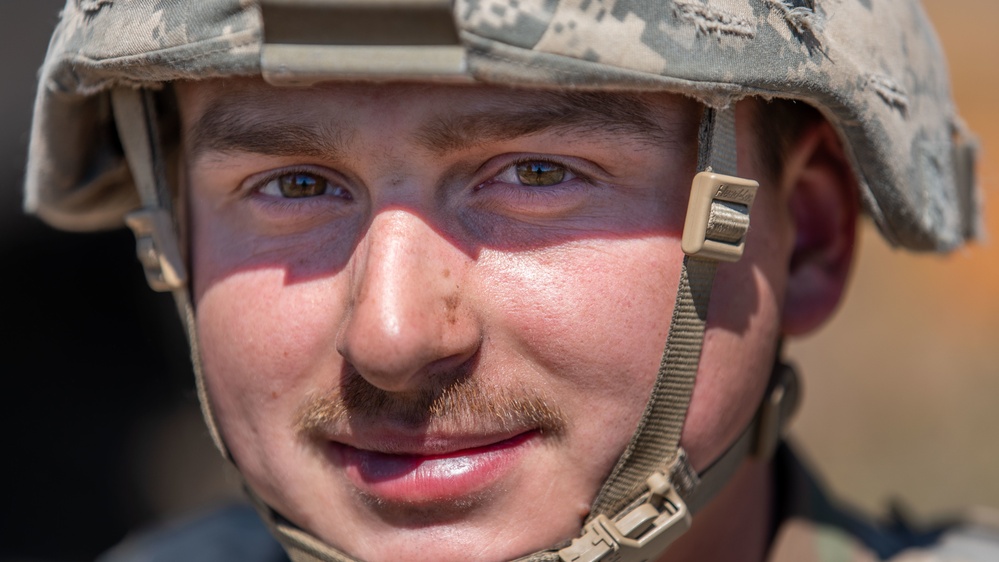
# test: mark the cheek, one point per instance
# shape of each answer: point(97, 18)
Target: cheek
point(266, 308)
point(256, 328)
point(262, 340)
point(735, 364)
point(593, 318)
point(742, 336)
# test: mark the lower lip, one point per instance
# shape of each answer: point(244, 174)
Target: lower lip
point(418, 479)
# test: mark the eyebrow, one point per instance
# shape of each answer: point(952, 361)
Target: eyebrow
point(586, 113)
point(227, 125)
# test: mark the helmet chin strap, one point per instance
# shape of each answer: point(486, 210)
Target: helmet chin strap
point(649, 497)
point(647, 501)
point(157, 242)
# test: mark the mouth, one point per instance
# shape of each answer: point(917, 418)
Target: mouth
point(431, 474)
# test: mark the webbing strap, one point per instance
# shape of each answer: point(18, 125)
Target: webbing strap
point(155, 232)
point(717, 144)
point(657, 441)
point(759, 440)
point(136, 121)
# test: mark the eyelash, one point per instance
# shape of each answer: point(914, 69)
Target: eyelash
point(524, 192)
point(529, 190)
point(258, 185)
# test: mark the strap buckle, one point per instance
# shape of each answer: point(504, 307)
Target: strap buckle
point(156, 247)
point(779, 405)
point(965, 154)
point(644, 531)
point(718, 216)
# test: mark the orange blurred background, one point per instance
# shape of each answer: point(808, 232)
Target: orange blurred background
point(901, 393)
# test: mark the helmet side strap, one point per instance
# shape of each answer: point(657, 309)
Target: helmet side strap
point(656, 443)
point(155, 231)
point(642, 509)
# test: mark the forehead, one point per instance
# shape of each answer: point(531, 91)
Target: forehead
point(254, 94)
point(225, 115)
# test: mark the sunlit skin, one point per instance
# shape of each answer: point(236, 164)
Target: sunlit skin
point(528, 274)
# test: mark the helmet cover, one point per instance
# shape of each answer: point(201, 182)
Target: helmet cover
point(874, 69)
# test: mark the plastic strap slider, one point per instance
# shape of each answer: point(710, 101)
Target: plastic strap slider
point(156, 247)
point(718, 216)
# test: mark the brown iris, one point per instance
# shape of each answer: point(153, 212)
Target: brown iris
point(302, 184)
point(539, 173)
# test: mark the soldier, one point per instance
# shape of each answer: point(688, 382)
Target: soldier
point(477, 281)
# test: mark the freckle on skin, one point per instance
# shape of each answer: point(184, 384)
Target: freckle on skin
point(447, 273)
point(274, 394)
point(451, 305)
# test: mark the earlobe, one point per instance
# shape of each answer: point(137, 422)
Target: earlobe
point(823, 203)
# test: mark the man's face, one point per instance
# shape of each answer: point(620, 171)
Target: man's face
point(431, 317)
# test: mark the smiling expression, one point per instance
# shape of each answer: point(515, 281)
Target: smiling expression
point(431, 316)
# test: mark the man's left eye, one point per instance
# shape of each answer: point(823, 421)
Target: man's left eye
point(300, 185)
point(536, 173)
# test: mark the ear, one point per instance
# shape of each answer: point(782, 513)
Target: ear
point(823, 202)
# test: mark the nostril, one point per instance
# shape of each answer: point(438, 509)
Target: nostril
point(395, 369)
point(453, 367)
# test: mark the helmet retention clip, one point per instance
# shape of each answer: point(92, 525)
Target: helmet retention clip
point(650, 526)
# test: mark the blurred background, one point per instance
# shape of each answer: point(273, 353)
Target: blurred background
point(902, 387)
point(101, 428)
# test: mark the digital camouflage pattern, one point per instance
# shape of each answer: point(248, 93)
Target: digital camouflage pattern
point(874, 68)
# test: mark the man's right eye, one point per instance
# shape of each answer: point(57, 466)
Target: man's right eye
point(298, 185)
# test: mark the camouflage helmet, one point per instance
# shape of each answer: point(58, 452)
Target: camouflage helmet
point(873, 69)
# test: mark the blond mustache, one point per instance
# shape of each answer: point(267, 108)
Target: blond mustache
point(463, 405)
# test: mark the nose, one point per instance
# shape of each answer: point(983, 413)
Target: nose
point(409, 316)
